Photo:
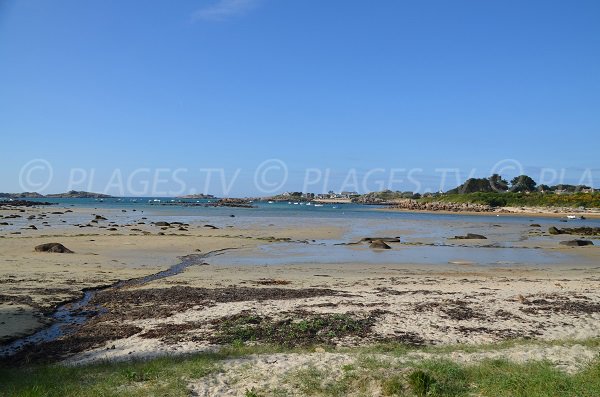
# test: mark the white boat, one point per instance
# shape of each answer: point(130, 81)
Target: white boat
point(318, 205)
point(270, 202)
point(571, 217)
point(296, 203)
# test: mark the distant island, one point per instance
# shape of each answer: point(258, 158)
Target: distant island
point(70, 194)
point(78, 194)
point(21, 195)
point(197, 196)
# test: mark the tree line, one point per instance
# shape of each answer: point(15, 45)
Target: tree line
point(519, 184)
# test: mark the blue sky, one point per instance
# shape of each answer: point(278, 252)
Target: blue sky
point(99, 86)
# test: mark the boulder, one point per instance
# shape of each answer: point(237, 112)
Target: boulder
point(535, 225)
point(162, 224)
point(100, 218)
point(471, 236)
point(53, 247)
point(576, 243)
point(384, 239)
point(379, 244)
point(554, 230)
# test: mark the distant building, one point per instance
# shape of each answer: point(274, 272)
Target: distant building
point(348, 194)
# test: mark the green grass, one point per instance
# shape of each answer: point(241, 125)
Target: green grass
point(588, 200)
point(372, 368)
point(443, 378)
point(163, 376)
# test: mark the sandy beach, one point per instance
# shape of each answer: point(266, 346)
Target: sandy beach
point(399, 297)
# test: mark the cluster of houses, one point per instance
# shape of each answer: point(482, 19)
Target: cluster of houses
point(323, 196)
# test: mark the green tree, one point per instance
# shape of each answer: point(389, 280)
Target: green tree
point(522, 183)
point(498, 183)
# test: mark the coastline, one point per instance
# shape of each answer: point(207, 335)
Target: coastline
point(510, 211)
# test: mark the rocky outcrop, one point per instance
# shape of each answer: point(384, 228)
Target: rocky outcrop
point(581, 231)
point(231, 202)
point(53, 247)
point(22, 203)
point(414, 205)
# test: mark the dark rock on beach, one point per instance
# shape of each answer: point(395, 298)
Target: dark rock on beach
point(379, 244)
point(471, 236)
point(576, 243)
point(384, 239)
point(53, 247)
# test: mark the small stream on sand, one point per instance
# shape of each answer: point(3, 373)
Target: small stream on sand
point(72, 314)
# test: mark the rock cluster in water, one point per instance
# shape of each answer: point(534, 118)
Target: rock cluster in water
point(231, 202)
point(414, 205)
point(582, 231)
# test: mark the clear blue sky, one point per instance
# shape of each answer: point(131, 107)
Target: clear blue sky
point(336, 84)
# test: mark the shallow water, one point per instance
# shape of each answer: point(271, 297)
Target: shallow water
point(293, 254)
